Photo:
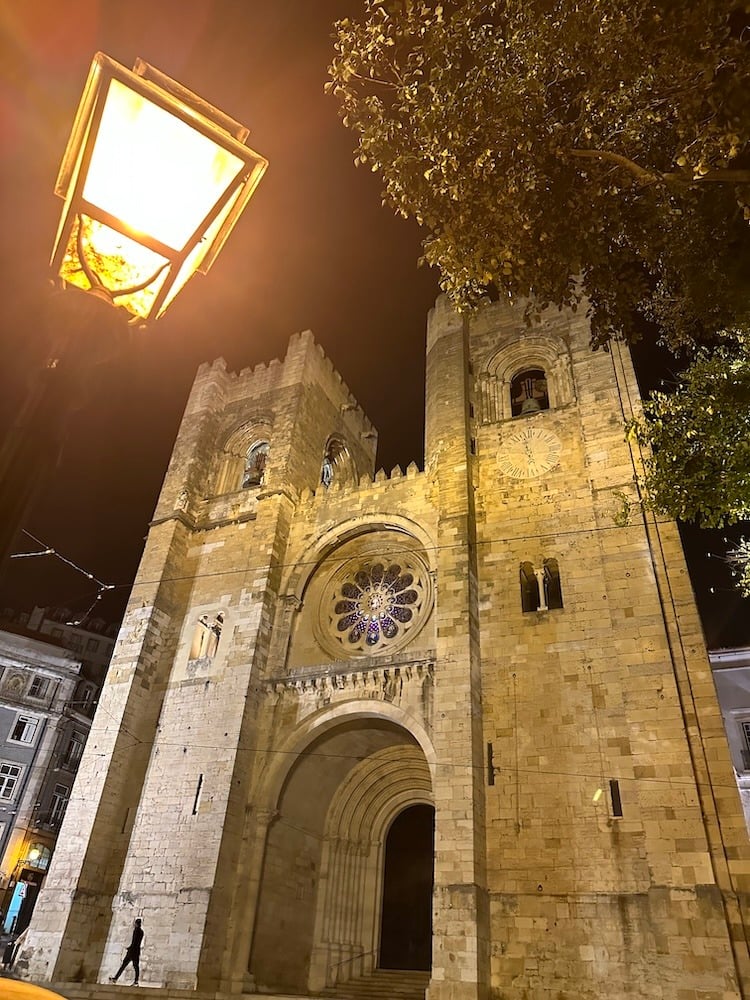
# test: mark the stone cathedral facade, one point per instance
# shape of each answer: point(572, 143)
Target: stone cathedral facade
point(458, 720)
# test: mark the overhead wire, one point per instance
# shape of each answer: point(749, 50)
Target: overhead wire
point(48, 550)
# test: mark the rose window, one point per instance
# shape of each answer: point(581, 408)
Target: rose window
point(378, 605)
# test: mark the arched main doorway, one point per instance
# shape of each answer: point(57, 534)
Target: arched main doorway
point(406, 914)
point(318, 917)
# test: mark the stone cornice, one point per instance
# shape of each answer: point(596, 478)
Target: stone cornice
point(355, 671)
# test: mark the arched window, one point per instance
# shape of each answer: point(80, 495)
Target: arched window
point(255, 465)
point(529, 588)
point(528, 392)
point(206, 637)
point(552, 589)
point(337, 463)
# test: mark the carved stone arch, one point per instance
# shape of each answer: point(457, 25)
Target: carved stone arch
point(548, 353)
point(326, 719)
point(302, 569)
point(234, 455)
point(362, 811)
point(367, 763)
point(370, 799)
point(367, 592)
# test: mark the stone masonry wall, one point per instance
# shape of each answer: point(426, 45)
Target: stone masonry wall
point(583, 900)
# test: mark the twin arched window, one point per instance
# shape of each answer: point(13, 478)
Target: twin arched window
point(540, 588)
point(207, 636)
point(531, 374)
point(337, 463)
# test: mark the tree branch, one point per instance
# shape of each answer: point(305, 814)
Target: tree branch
point(645, 177)
point(712, 177)
point(642, 175)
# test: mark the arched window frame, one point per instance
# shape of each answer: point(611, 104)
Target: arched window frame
point(207, 636)
point(529, 588)
point(232, 460)
point(549, 354)
point(528, 392)
point(337, 464)
point(552, 587)
point(254, 471)
point(541, 589)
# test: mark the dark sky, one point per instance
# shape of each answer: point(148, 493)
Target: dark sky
point(314, 250)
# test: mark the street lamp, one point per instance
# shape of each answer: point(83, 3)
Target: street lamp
point(154, 179)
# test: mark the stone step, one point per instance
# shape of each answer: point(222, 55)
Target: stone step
point(124, 991)
point(382, 984)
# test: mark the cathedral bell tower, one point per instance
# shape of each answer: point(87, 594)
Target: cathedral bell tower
point(612, 830)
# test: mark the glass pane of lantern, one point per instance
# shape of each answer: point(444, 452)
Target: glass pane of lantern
point(194, 259)
point(153, 171)
point(116, 261)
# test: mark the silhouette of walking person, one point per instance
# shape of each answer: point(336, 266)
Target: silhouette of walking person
point(133, 954)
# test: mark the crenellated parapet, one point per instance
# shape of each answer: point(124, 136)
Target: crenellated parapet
point(365, 483)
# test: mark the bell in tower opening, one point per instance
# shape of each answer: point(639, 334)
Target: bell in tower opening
point(528, 392)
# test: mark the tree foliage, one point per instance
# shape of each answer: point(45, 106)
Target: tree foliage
point(697, 464)
point(562, 149)
point(739, 560)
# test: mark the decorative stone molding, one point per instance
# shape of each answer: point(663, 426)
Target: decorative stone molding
point(356, 676)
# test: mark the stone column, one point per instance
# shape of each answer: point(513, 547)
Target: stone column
point(460, 968)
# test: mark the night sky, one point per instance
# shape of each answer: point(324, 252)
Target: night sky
point(315, 250)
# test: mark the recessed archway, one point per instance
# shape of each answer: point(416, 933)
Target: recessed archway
point(318, 918)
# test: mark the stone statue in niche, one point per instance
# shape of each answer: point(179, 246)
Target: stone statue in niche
point(206, 637)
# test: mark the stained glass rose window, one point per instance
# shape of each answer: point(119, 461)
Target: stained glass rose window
point(377, 605)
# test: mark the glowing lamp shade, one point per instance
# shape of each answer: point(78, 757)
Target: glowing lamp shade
point(153, 179)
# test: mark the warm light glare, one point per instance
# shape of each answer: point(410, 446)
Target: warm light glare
point(153, 171)
point(194, 259)
point(598, 794)
point(34, 854)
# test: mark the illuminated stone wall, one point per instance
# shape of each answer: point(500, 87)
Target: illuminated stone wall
point(615, 685)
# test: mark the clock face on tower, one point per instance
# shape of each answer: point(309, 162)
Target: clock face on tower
point(529, 452)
